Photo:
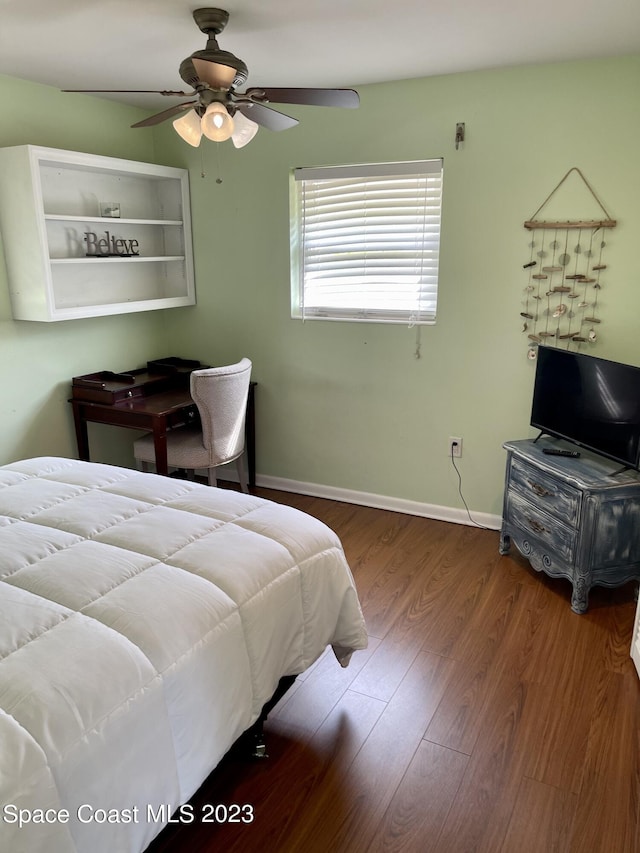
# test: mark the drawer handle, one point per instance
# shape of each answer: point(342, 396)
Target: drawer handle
point(535, 525)
point(540, 490)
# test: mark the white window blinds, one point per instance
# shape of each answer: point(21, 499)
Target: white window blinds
point(365, 242)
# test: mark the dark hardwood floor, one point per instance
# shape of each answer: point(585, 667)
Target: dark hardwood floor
point(484, 716)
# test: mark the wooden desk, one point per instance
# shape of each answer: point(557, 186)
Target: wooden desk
point(154, 413)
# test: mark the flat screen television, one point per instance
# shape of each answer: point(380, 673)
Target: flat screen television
point(592, 402)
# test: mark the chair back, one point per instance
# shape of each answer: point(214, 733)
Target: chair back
point(221, 394)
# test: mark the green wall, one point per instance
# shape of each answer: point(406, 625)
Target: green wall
point(344, 405)
point(348, 405)
point(37, 360)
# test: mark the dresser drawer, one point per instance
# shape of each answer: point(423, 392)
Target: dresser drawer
point(554, 535)
point(545, 491)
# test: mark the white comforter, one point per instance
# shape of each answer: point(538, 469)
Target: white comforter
point(144, 622)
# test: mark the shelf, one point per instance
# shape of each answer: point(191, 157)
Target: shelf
point(46, 237)
point(108, 309)
point(96, 259)
point(60, 217)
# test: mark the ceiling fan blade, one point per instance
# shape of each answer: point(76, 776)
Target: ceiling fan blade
point(164, 115)
point(266, 117)
point(133, 91)
point(347, 98)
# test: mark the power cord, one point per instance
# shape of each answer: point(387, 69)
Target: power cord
point(471, 519)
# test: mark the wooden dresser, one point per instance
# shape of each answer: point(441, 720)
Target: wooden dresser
point(572, 518)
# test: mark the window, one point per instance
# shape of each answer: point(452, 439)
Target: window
point(365, 242)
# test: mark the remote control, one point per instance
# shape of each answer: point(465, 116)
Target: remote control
point(551, 451)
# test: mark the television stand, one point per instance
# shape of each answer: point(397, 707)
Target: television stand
point(574, 518)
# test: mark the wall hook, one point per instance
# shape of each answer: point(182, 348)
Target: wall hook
point(459, 133)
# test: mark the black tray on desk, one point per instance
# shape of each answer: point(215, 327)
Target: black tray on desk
point(108, 387)
point(173, 364)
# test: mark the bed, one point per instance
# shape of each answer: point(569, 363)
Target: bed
point(144, 623)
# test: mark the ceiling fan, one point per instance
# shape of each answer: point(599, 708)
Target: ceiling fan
point(219, 111)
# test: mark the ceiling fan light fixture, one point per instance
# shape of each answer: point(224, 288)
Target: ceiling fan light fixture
point(244, 131)
point(189, 127)
point(216, 123)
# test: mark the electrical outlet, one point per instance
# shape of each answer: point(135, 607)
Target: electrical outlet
point(455, 446)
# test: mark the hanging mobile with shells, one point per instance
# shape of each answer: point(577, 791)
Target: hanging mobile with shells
point(561, 296)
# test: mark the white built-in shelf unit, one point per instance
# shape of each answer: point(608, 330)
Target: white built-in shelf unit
point(66, 261)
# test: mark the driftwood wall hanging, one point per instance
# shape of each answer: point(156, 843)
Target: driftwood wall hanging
point(565, 275)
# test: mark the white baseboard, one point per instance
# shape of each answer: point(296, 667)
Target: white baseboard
point(350, 496)
point(441, 513)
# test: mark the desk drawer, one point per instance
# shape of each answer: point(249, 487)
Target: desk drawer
point(187, 415)
point(545, 491)
point(555, 536)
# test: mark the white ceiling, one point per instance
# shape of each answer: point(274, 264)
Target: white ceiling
point(139, 44)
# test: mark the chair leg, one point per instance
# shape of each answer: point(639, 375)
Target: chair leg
point(242, 473)
point(144, 467)
point(211, 474)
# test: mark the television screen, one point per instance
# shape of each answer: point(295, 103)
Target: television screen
point(589, 401)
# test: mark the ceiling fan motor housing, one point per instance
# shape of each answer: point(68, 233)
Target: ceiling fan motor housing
point(212, 22)
point(220, 57)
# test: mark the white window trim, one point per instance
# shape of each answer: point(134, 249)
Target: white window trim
point(421, 198)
